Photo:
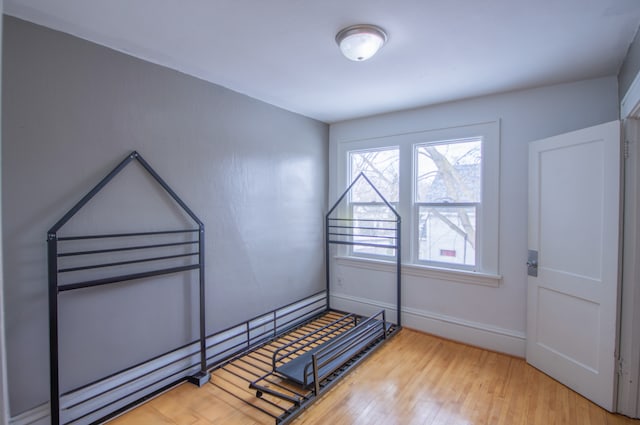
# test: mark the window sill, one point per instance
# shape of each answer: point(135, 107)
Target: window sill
point(459, 276)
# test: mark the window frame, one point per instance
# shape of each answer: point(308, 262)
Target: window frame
point(486, 268)
point(415, 204)
point(350, 204)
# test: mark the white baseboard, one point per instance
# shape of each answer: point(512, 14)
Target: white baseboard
point(36, 416)
point(465, 331)
point(90, 403)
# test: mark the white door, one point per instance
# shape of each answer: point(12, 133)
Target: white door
point(574, 221)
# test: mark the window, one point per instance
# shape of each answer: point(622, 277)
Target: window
point(448, 188)
point(444, 183)
point(381, 167)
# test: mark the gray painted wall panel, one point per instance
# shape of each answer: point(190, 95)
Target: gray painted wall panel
point(256, 176)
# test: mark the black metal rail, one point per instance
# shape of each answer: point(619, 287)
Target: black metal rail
point(226, 346)
point(139, 255)
point(364, 232)
point(306, 342)
point(317, 360)
point(335, 354)
point(231, 343)
point(312, 363)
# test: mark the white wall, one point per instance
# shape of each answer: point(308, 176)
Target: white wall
point(483, 315)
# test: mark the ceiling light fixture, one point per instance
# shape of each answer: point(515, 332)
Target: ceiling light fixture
point(360, 42)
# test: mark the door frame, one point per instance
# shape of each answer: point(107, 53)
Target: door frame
point(4, 395)
point(629, 331)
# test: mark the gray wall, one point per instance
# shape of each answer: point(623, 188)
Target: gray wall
point(630, 67)
point(256, 175)
point(4, 399)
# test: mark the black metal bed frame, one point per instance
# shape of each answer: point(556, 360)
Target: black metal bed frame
point(235, 341)
point(324, 365)
point(84, 262)
point(350, 232)
point(317, 360)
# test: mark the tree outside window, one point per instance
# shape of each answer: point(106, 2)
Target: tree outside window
point(448, 185)
point(382, 168)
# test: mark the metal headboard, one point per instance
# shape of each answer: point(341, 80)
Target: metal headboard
point(73, 266)
point(358, 232)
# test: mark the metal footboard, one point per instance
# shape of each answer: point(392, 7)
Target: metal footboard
point(336, 353)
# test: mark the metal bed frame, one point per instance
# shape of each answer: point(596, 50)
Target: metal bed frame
point(351, 231)
point(313, 362)
point(300, 368)
point(73, 266)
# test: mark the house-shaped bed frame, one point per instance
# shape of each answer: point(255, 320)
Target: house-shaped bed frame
point(303, 348)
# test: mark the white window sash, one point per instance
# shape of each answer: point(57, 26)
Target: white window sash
point(487, 216)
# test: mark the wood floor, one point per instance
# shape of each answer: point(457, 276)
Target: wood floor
point(412, 379)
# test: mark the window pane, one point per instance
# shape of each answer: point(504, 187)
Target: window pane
point(373, 232)
point(382, 168)
point(449, 172)
point(447, 234)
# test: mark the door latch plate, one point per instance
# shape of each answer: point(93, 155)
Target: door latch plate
point(532, 263)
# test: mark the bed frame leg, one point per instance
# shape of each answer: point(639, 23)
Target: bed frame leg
point(199, 378)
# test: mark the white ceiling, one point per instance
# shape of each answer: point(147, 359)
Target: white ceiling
point(283, 52)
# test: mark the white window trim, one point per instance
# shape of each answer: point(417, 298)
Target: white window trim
point(436, 273)
point(487, 268)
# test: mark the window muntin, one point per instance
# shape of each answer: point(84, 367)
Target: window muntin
point(447, 199)
point(382, 168)
point(487, 217)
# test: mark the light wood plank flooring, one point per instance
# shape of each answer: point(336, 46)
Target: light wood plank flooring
point(413, 379)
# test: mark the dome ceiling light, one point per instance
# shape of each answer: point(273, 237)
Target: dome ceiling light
point(361, 42)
